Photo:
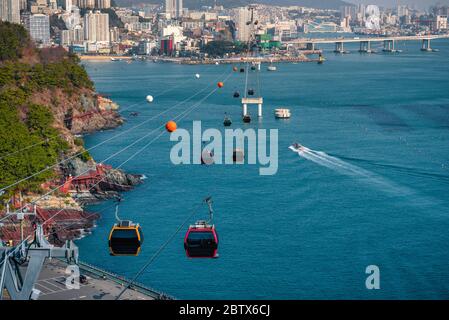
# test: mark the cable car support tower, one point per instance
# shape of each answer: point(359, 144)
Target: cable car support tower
point(20, 266)
point(252, 46)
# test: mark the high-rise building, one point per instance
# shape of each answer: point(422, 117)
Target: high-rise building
point(10, 10)
point(243, 29)
point(348, 11)
point(38, 26)
point(402, 11)
point(85, 4)
point(102, 4)
point(173, 8)
point(96, 27)
point(23, 4)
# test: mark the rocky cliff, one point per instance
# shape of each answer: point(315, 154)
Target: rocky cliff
point(46, 101)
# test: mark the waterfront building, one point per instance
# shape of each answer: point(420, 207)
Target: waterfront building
point(440, 23)
point(96, 27)
point(145, 47)
point(167, 46)
point(38, 26)
point(10, 11)
point(173, 9)
point(176, 32)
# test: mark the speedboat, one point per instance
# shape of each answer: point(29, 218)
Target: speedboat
point(297, 147)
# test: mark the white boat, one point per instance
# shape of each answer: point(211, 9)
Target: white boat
point(282, 113)
point(298, 148)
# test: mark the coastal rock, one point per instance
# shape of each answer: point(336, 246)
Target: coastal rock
point(105, 182)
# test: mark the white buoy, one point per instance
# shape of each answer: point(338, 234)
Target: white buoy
point(150, 98)
point(197, 76)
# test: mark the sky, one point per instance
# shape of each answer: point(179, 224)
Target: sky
point(423, 4)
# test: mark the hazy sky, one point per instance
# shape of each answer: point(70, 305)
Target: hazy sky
point(394, 3)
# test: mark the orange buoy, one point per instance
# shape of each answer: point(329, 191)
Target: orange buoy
point(171, 126)
point(220, 84)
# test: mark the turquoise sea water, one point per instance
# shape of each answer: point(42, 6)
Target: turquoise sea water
point(377, 195)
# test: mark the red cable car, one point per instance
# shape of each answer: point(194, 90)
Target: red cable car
point(201, 240)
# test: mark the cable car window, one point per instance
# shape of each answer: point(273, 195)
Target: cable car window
point(124, 234)
point(201, 236)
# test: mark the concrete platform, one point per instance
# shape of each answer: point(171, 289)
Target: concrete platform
point(52, 279)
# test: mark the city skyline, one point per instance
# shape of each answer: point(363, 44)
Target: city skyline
point(422, 4)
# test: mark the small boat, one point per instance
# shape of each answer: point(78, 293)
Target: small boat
point(227, 121)
point(282, 113)
point(247, 118)
point(297, 147)
point(271, 67)
point(116, 59)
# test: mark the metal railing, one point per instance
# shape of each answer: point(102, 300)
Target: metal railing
point(141, 288)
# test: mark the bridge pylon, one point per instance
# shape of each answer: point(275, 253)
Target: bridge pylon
point(425, 46)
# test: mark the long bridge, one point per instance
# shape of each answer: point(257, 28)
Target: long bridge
point(365, 42)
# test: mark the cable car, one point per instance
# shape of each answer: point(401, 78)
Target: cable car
point(125, 238)
point(227, 121)
point(236, 94)
point(201, 239)
point(251, 92)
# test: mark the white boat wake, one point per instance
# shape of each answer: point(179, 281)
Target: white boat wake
point(345, 168)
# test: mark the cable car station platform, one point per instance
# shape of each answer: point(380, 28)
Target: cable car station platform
point(99, 285)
